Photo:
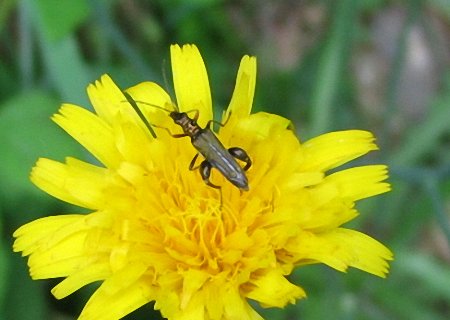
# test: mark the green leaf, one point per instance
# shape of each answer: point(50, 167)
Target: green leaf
point(4, 265)
point(441, 6)
point(402, 305)
point(331, 65)
point(424, 137)
point(27, 133)
point(6, 7)
point(27, 298)
point(62, 58)
point(416, 287)
point(61, 17)
point(429, 272)
point(66, 69)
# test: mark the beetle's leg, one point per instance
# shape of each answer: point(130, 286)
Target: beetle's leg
point(208, 125)
point(175, 135)
point(192, 164)
point(240, 154)
point(178, 135)
point(195, 115)
point(205, 172)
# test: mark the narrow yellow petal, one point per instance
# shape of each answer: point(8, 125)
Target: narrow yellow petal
point(300, 180)
point(131, 141)
point(90, 131)
point(214, 306)
point(241, 102)
point(105, 305)
point(50, 176)
point(263, 124)
point(76, 182)
point(56, 244)
point(124, 277)
point(364, 252)
point(194, 310)
point(191, 81)
point(332, 149)
point(253, 129)
point(60, 259)
point(273, 289)
point(193, 280)
point(237, 308)
point(80, 278)
point(106, 98)
point(342, 248)
point(29, 236)
point(149, 96)
point(360, 182)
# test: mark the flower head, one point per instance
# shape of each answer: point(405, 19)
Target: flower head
point(157, 232)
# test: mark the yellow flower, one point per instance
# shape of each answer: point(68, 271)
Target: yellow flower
point(157, 232)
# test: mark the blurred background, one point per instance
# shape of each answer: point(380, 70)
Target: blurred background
point(327, 65)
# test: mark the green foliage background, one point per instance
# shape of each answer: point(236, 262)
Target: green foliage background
point(327, 65)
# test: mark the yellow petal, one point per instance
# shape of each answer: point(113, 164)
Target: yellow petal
point(364, 252)
point(342, 248)
point(149, 96)
point(131, 140)
point(360, 182)
point(300, 180)
point(193, 280)
point(273, 289)
point(263, 124)
point(106, 98)
point(90, 131)
point(113, 107)
point(30, 235)
point(80, 278)
point(241, 102)
point(253, 129)
point(195, 310)
point(60, 259)
point(105, 305)
point(237, 308)
point(50, 176)
point(56, 245)
point(332, 149)
point(76, 182)
point(191, 81)
point(214, 306)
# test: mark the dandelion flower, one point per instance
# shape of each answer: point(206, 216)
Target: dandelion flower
point(157, 232)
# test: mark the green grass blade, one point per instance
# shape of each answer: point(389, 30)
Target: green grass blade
point(330, 66)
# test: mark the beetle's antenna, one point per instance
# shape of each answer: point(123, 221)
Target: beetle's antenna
point(153, 105)
point(140, 114)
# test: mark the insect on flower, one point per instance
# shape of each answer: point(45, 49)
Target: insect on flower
point(207, 144)
point(153, 233)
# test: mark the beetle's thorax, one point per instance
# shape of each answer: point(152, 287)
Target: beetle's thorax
point(189, 126)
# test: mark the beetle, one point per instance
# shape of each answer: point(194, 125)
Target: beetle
point(208, 145)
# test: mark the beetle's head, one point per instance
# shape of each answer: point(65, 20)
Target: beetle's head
point(179, 117)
